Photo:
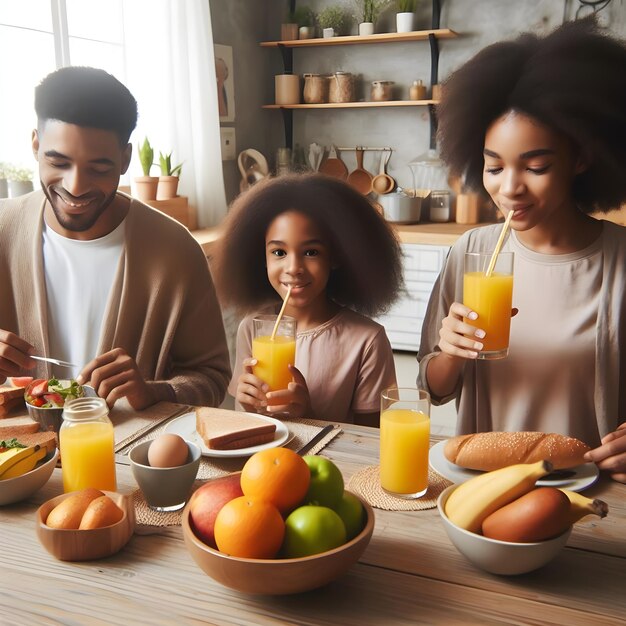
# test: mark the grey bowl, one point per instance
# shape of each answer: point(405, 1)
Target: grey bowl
point(164, 488)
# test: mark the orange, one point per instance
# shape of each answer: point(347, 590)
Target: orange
point(277, 475)
point(249, 528)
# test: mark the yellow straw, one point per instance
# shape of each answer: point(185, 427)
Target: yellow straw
point(280, 314)
point(494, 256)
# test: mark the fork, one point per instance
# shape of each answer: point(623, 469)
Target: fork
point(54, 361)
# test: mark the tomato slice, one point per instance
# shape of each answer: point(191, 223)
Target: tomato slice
point(54, 398)
point(21, 381)
point(39, 387)
point(38, 401)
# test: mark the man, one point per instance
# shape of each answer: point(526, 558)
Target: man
point(96, 278)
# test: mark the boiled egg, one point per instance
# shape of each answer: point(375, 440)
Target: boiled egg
point(168, 450)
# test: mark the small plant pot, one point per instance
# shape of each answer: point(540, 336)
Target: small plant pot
point(288, 32)
point(328, 32)
point(307, 32)
point(146, 187)
point(167, 188)
point(404, 22)
point(19, 187)
point(366, 28)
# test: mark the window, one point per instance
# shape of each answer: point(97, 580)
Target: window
point(39, 36)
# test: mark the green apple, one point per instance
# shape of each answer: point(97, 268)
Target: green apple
point(326, 486)
point(351, 511)
point(312, 529)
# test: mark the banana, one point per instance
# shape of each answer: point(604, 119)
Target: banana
point(472, 501)
point(25, 465)
point(14, 456)
point(581, 505)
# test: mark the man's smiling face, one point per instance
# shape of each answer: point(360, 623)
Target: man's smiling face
point(79, 169)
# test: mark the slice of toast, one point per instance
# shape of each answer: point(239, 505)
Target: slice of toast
point(47, 439)
point(230, 430)
point(10, 393)
point(18, 426)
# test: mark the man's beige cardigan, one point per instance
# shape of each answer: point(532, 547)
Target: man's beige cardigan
point(162, 308)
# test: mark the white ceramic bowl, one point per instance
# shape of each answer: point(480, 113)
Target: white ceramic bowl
point(21, 487)
point(500, 557)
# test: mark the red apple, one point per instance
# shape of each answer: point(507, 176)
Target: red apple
point(207, 501)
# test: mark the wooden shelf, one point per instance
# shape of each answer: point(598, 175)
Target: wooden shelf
point(416, 35)
point(353, 105)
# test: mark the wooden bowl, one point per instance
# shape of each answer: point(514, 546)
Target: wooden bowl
point(278, 576)
point(86, 545)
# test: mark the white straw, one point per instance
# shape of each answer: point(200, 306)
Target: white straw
point(494, 256)
point(280, 314)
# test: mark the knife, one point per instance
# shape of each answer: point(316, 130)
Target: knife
point(317, 438)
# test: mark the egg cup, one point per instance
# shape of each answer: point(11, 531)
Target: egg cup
point(164, 488)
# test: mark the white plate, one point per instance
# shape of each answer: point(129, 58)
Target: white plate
point(585, 476)
point(185, 426)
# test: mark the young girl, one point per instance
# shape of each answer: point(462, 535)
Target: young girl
point(541, 125)
point(341, 259)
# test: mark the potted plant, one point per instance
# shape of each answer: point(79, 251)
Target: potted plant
point(4, 187)
point(289, 28)
point(367, 14)
point(20, 181)
point(305, 19)
point(334, 21)
point(146, 185)
point(405, 15)
point(168, 180)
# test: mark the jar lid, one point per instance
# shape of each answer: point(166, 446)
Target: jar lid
point(383, 82)
point(85, 408)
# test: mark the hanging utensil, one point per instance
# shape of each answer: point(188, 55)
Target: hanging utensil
point(382, 182)
point(360, 178)
point(334, 166)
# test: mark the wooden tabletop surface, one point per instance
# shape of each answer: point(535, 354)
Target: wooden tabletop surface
point(409, 574)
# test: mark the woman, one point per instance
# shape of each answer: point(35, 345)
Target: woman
point(540, 124)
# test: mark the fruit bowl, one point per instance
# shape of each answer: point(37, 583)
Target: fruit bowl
point(86, 545)
point(277, 576)
point(499, 557)
point(21, 487)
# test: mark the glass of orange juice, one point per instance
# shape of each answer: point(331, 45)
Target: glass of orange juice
point(491, 297)
point(404, 437)
point(274, 355)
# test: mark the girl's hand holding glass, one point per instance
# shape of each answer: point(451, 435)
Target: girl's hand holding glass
point(294, 401)
point(251, 390)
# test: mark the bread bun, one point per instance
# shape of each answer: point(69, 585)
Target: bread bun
point(69, 513)
point(101, 512)
point(493, 450)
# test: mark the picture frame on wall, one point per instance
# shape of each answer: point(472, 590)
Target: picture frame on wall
point(224, 72)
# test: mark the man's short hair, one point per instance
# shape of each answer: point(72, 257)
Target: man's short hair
point(87, 97)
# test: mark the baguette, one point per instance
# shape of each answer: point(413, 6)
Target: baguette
point(493, 450)
point(230, 430)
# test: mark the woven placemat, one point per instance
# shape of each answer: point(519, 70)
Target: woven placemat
point(300, 431)
point(366, 483)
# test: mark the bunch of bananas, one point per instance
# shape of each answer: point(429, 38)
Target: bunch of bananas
point(17, 461)
point(472, 502)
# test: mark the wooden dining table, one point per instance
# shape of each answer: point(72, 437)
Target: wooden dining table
point(409, 574)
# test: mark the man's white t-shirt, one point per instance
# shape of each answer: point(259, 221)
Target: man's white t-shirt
point(79, 276)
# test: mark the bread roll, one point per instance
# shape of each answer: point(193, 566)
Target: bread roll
point(101, 512)
point(490, 451)
point(69, 513)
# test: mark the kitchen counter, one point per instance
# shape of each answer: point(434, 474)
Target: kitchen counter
point(424, 233)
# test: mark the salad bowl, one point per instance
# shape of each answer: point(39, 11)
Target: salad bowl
point(49, 414)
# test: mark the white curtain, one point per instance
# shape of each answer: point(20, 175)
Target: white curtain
point(170, 69)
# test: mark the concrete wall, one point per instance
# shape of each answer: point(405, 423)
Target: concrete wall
point(243, 23)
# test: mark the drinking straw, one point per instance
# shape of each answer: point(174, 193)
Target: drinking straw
point(280, 313)
point(494, 256)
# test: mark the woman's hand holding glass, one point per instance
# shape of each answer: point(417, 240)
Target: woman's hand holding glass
point(611, 455)
point(457, 338)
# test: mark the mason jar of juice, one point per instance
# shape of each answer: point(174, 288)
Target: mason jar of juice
point(87, 443)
